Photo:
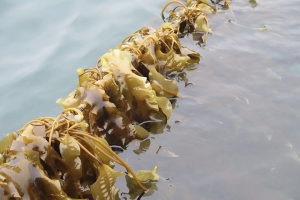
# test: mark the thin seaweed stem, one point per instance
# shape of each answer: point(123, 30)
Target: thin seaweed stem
point(150, 37)
point(58, 126)
point(230, 8)
point(165, 44)
point(87, 151)
point(76, 110)
point(138, 31)
point(34, 121)
point(175, 2)
point(207, 28)
point(145, 66)
point(137, 51)
point(130, 36)
point(52, 130)
point(104, 153)
point(90, 145)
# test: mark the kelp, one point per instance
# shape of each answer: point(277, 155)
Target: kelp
point(125, 97)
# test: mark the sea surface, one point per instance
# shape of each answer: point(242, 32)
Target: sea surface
point(235, 134)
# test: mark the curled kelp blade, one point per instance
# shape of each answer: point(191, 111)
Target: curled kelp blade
point(161, 84)
point(73, 100)
point(207, 8)
point(172, 61)
point(135, 191)
point(147, 175)
point(165, 106)
point(194, 56)
point(201, 24)
point(7, 140)
point(141, 133)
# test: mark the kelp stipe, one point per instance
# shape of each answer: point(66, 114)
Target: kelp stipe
point(123, 98)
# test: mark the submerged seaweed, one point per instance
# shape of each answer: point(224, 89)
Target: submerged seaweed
point(69, 157)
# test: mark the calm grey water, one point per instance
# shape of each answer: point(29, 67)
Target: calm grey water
point(236, 132)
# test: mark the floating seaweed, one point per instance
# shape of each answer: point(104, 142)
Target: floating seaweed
point(123, 98)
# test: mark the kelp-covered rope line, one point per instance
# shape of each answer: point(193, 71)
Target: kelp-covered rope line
point(69, 157)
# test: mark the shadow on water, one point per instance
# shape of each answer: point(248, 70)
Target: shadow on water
point(235, 135)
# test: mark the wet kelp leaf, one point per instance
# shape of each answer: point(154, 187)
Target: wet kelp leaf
point(48, 188)
point(32, 141)
point(32, 155)
point(172, 13)
point(83, 77)
point(207, 7)
point(201, 2)
point(149, 53)
point(25, 175)
point(141, 133)
point(103, 116)
point(158, 124)
point(103, 187)
point(172, 61)
point(39, 130)
point(132, 86)
point(165, 24)
point(10, 190)
point(163, 87)
point(97, 99)
point(194, 56)
point(70, 152)
point(103, 158)
point(135, 190)
point(7, 140)
point(145, 175)
point(165, 106)
point(117, 60)
point(161, 84)
point(200, 24)
point(73, 100)
point(109, 85)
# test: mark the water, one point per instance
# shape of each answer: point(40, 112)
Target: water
point(236, 132)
